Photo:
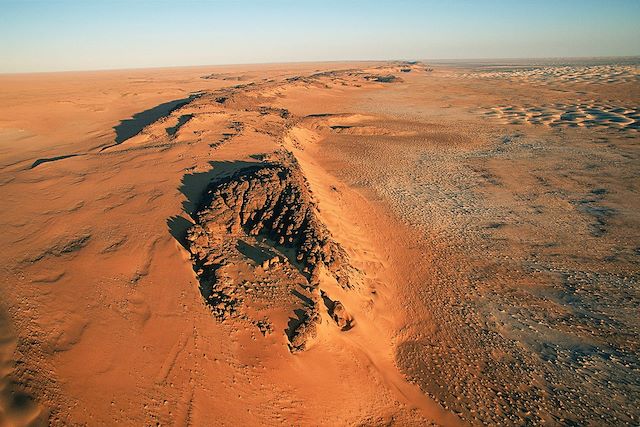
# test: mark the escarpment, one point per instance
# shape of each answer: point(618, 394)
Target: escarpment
point(257, 234)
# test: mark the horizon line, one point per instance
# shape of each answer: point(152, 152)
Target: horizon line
point(436, 60)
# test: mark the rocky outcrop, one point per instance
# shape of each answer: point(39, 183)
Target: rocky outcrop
point(273, 200)
point(390, 78)
point(340, 316)
point(270, 206)
point(303, 330)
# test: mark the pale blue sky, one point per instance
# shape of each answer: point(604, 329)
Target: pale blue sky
point(48, 35)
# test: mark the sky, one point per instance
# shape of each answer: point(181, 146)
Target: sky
point(60, 35)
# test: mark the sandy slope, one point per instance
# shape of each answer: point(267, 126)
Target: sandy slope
point(494, 266)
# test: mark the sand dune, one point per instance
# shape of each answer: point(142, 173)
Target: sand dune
point(566, 74)
point(584, 114)
point(320, 244)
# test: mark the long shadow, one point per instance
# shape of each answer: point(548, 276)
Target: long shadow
point(178, 226)
point(301, 315)
point(128, 128)
point(254, 252)
point(294, 322)
point(194, 185)
point(305, 299)
point(52, 159)
point(182, 120)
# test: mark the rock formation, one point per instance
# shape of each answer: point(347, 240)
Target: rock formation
point(269, 202)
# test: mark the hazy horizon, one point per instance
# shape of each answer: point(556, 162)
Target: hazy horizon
point(436, 61)
point(69, 35)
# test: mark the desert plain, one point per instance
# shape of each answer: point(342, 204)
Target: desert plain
point(365, 243)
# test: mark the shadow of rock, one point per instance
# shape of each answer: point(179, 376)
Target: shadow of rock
point(128, 128)
point(194, 185)
point(178, 227)
point(255, 253)
point(52, 159)
point(182, 120)
point(295, 322)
